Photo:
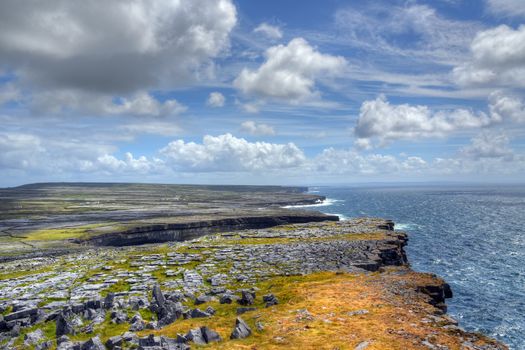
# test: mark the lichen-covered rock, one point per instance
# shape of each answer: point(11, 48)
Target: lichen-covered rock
point(241, 330)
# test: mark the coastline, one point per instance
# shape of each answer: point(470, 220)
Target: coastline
point(335, 283)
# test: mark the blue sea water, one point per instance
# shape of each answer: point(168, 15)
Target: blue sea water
point(472, 236)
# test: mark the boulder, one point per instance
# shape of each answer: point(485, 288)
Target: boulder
point(241, 310)
point(195, 335)
point(241, 330)
point(158, 296)
point(270, 300)
point(137, 323)
point(149, 341)
point(227, 298)
point(63, 326)
point(113, 342)
point(201, 299)
point(119, 317)
point(210, 336)
point(93, 344)
point(247, 298)
point(196, 313)
point(109, 301)
point(33, 338)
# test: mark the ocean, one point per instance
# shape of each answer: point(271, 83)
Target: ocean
point(472, 236)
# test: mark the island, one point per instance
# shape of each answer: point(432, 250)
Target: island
point(148, 266)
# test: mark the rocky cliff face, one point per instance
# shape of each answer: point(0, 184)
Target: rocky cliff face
point(194, 229)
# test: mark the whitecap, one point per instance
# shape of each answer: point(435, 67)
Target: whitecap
point(327, 202)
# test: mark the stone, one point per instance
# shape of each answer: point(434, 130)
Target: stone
point(33, 338)
point(173, 344)
point(45, 345)
point(247, 298)
point(210, 336)
point(241, 330)
point(362, 346)
point(227, 299)
point(158, 296)
point(109, 301)
point(93, 344)
point(210, 310)
point(113, 342)
point(270, 300)
point(150, 340)
point(119, 317)
point(201, 299)
point(63, 326)
point(241, 310)
point(196, 313)
point(137, 323)
point(26, 313)
point(195, 335)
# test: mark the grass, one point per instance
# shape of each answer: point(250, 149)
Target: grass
point(23, 273)
point(392, 322)
point(57, 234)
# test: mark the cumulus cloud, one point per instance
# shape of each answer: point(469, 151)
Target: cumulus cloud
point(129, 164)
point(506, 8)
point(226, 153)
point(19, 150)
point(138, 104)
point(254, 128)
point(270, 31)
point(505, 107)
point(382, 121)
point(488, 145)
point(342, 161)
point(289, 72)
point(71, 45)
point(497, 58)
point(216, 99)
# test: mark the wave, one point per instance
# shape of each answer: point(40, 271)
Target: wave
point(327, 202)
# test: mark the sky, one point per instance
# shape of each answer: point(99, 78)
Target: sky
point(262, 92)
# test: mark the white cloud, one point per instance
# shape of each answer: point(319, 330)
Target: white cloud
point(226, 153)
point(498, 58)
point(340, 161)
point(216, 99)
point(139, 104)
point(254, 128)
point(66, 45)
point(129, 164)
point(506, 108)
point(379, 120)
point(289, 72)
point(8, 93)
point(270, 31)
point(507, 8)
point(19, 150)
point(488, 145)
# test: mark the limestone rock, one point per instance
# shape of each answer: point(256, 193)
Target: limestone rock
point(241, 329)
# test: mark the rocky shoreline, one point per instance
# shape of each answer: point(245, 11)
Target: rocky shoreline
point(218, 289)
point(132, 266)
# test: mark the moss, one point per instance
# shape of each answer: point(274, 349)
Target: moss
point(24, 273)
point(120, 286)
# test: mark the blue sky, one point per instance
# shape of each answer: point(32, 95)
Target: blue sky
point(273, 92)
